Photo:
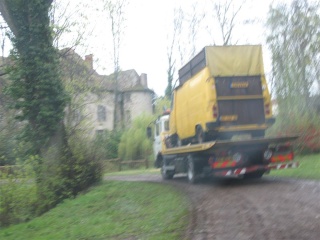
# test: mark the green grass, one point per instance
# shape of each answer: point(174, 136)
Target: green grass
point(111, 210)
point(134, 172)
point(309, 168)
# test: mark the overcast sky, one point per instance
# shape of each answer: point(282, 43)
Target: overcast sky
point(148, 27)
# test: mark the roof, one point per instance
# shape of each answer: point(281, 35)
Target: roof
point(128, 80)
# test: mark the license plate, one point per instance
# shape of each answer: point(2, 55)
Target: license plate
point(239, 85)
point(228, 118)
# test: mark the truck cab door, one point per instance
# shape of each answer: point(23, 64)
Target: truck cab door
point(157, 138)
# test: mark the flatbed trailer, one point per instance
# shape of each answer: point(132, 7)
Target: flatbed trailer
point(233, 158)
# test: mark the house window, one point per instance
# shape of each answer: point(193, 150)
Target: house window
point(99, 133)
point(102, 113)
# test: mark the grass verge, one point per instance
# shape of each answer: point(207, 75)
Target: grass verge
point(134, 172)
point(309, 168)
point(111, 210)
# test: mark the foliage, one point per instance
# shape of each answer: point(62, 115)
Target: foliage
point(112, 210)
point(36, 87)
point(72, 175)
point(134, 143)
point(107, 144)
point(61, 170)
point(307, 128)
point(8, 142)
point(18, 192)
point(294, 42)
point(162, 104)
point(295, 46)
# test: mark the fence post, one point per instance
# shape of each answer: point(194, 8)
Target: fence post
point(147, 163)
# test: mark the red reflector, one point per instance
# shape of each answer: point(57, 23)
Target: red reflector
point(215, 111)
point(282, 157)
point(267, 109)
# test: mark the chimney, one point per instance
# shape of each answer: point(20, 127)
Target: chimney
point(144, 80)
point(89, 61)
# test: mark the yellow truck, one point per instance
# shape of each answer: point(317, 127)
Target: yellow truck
point(222, 93)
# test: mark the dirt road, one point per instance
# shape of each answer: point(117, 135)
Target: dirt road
point(268, 208)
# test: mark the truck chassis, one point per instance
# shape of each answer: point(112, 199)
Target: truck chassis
point(243, 158)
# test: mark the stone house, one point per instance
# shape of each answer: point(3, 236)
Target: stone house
point(97, 93)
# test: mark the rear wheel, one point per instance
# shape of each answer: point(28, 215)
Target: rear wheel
point(192, 178)
point(165, 173)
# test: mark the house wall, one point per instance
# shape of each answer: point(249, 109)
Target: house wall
point(136, 103)
point(106, 100)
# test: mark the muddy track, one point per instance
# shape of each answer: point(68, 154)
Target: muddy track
point(268, 208)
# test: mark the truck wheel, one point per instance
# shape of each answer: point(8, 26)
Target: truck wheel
point(159, 161)
point(200, 135)
point(191, 171)
point(166, 174)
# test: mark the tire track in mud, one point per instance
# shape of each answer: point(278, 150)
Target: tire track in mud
point(268, 208)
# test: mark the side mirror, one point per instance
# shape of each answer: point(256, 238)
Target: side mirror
point(149, 132)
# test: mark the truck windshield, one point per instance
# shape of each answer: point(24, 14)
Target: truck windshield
point(157, 129)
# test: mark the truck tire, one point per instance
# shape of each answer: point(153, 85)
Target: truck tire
point(164, 172)
point(159, 161)
point(166, 175)
point(191, 173)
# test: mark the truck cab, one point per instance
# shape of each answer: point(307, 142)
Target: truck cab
point(161, 131)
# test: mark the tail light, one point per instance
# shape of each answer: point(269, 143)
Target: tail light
point(215, 112)
point(291, 155)
point(237, 157)
point(267, 109)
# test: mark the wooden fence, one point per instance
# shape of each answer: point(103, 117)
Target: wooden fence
point(131, 164)
point(9, 169)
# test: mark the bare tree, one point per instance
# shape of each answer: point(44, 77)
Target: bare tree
point(3, 37)
point(226, 13)
point(116, 13)
point(172, 48)
point(195, 20)
point(183, 41)
point(294, 44)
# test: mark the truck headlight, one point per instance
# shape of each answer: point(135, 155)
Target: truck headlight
point(267, 154)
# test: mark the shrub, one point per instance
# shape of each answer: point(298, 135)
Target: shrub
point(134, 143)
point(107, 144)
point(18, 194)
point(307, 128)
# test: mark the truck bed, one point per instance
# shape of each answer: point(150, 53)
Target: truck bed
point(209, 147)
